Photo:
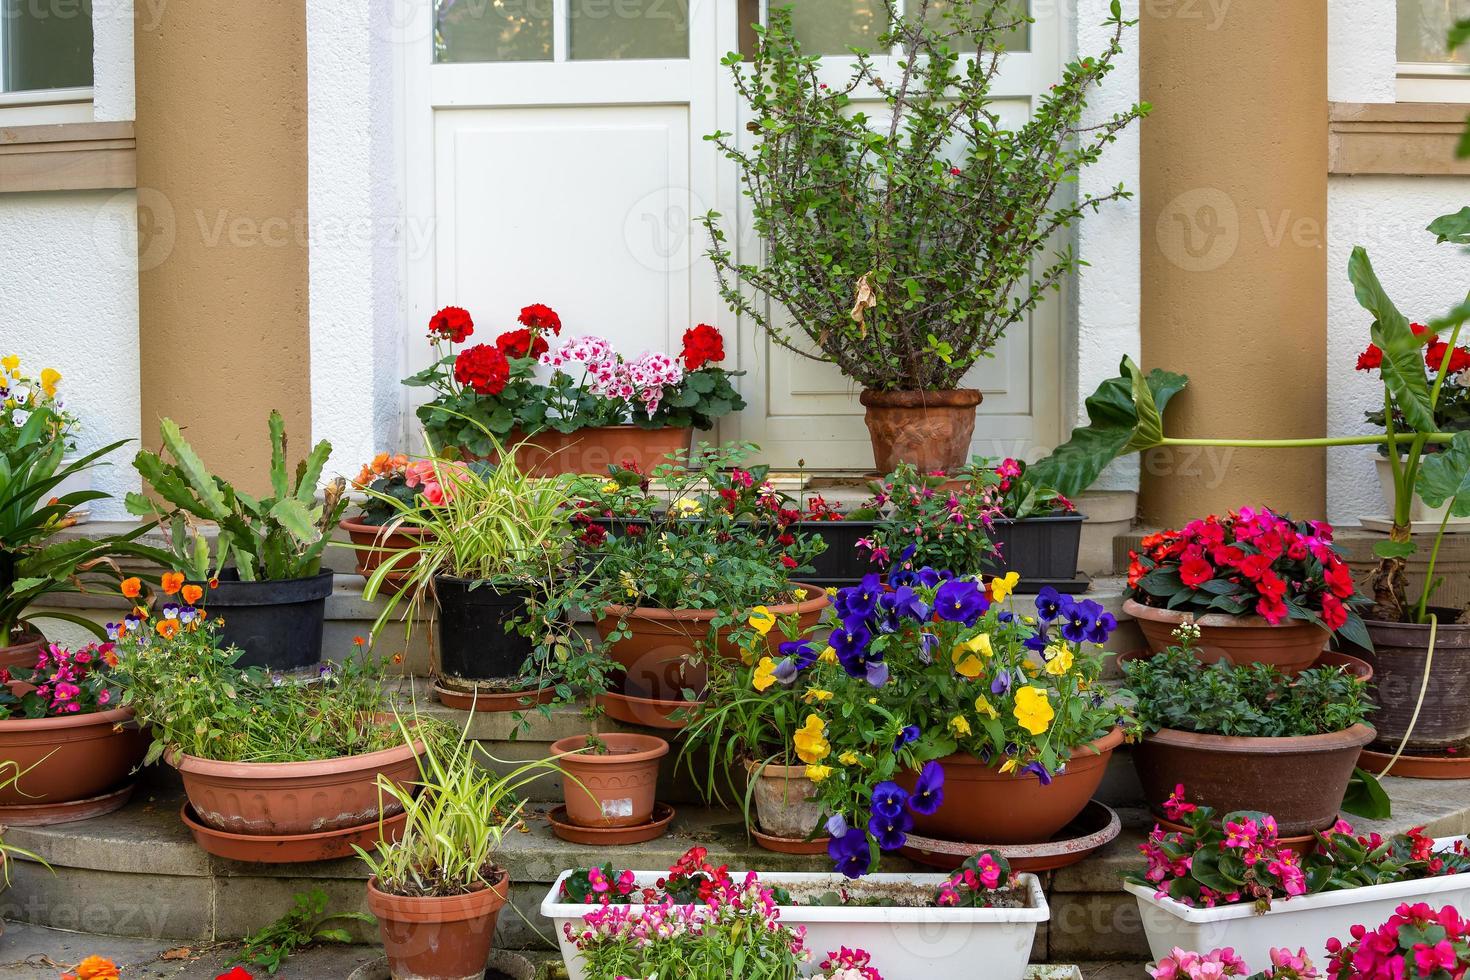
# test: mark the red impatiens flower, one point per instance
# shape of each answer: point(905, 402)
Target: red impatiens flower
point(483, 369)
point(521, 343)
point(452, 324)
point(702, 345)
point(539, 316)
point(1195, 572)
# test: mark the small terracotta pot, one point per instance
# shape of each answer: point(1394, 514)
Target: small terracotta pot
point(656, 655)
point(285, 798)
point(1300, 781)
point(1290, 647)
point(982, 805)
point(615, 789)
point(647, 712)
point(930, 429)
point(1399, 658)
point(24, 653)
point(593, 450)
point(375, 544)
point(438, 938)
point(75, 757)
point(784, 800)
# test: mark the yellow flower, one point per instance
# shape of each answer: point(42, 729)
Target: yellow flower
point(984, 706)
point(765, 674)
point(11, 363)
point(828, 656)
point(818, 773)
point(1030, 668)
point(687, 508)
point(811, 741)
point(966, 661)
point(50, 377)
point(800, 594)
point(1034, 710)
point(960, 725)
point(610, 486)
point(1010, 766)
point(831, 591)
point(1002, 587)
point(761, 620)
point(1059, 660)
point(848, 758)
point(816, 694)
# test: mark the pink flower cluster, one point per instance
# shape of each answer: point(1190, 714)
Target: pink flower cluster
point(986, 876)
point(63, 682)
point(435, 479)
point(1220, 963)
point(848, 964)
point(1417, 942)
point(1256, 840)
point(644, 379)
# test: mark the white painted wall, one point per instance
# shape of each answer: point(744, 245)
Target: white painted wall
point(112, 54)
point(69, 300)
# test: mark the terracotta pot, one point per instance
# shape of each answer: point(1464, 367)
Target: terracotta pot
point(1300, 781)
point(615, 789)
point(593, 450)
point(982, 805)
point(375, 544)
point(23, 653)
point(283, 798)
point(438, 938)
point(784, 804)
point(656, 655)
point(76, 757)
point(1290, 647)
point(1355, 666)
point(1399, 657)
point(647, 712)
point(930, 429)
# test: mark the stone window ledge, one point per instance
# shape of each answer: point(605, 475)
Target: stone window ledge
point(1403, 138)
point(68, 157)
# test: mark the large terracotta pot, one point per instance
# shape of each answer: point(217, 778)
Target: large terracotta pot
point(656, 655)
point(593, 450)
point(1399, 657)
point(1290, 647)
point(784, 800)
point(75, 757)
point(930, 429)
point(375, 544)
point(613, 789)
point(23, 653)
point(1300, 781)
point(283, 798)
point(982, 805)
point(438, 938)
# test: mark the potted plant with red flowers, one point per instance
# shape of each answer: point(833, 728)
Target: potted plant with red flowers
point(1036, 530)
point(375, 531)
point(1418, 942)
point(1261, 588)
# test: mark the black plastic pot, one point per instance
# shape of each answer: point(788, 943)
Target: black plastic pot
point(278, 625)
point(1042, 550)
point(843, 563)
point(476, 641)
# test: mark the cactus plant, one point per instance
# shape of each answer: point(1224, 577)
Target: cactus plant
point(272, 538)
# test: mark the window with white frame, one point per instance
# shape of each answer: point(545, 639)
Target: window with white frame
point(45, 60)
point(1428, 70)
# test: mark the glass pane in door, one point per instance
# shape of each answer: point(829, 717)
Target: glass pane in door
point(1424, 26)
point(618, 29)
point(830, 27)
point(1018, 38)
point(46, 45)
point(492, 30)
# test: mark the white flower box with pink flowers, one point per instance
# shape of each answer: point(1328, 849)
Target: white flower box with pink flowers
point(905, 942)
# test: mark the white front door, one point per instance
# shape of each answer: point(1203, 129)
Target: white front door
point(557, 149)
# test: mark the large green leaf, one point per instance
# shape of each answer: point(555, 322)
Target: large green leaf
point(194, 472)
point(1126, 415)
point(1403, 359)
point(1452, 227)
point(1366, 798)
point(296, 518)
point(1446, 476)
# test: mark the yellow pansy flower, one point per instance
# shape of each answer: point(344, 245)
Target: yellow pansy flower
point(1033, 710)
point(50, 378)
point(831, 591)
point(815, 695)
point(848, 758)
point(960, 725)
point(800, 594)
point(11, 363)
point(1058, 660)
point(761, 620)
point(818, 773)
point(765, 674)
point(1010, 766)
point(828, 656)
point(983, 705)
point(1002, 586)
point(811, 741)
point(967, 655)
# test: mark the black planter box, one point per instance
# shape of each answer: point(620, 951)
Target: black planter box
point(476, 641)
point(1042, 550)
point(277, 625)
point(843, 563)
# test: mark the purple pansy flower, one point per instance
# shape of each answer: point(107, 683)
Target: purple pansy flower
point(960, 601)
point(889, 799)
point(908, 736)
point(1050, 604)
point(850, 852)
point(1040, 771)
point(928, 791)
point(890, 832)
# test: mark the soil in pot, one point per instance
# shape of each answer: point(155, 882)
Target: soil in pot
point(614, 784)
point(593, 450)
point(984, 805)
point(74, 757)
point(1036, 547)
point(22, 651)
point(439, 938)
point(1290, 647)
point(1299, 780)
point(930, 429)
point(474, 635)
point(1399, 657)
point(278, 625)
point(784, 798)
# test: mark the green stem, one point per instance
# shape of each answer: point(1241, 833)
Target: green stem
point(1433, 557)
point(1436, 437)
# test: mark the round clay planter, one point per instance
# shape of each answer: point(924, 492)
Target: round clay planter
point(930, 429)
point(615, 788)
point(75, 757)
point(656, 655)
point(438, 938)
point(593, 450)
point(984, 805)
point(573, 833)
point(278, 625)
point(1097, 826)
point(1407, 766)
point(1290, 647)
point(292, 848)
point(23, 653)
point(375, 544)
point(493, 702)
point(286, 798)
point(1399, 656)
point(784, 800)
point(647, 712)
point(1300, 781)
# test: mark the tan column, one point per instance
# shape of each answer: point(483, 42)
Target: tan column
point(1234, 199)
point(222, 283)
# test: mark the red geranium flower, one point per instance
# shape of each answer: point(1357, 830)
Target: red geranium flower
point(483, 369)
point(1370, 359)
point(521, 343)
point(1434, 356)
point(452, 324)
point(539, 316)
point(702, 345)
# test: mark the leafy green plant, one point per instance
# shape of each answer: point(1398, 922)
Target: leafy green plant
point(905, 243)
point(305, 924)
point(272, 538)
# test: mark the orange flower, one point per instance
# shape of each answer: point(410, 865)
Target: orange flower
point(172, 582)
point(397, 658)
point(167, 628)
point(192, 594)
point(214, 583)
point(358, 641)
point(94, 968)
point(110, 657)
point(131, 587)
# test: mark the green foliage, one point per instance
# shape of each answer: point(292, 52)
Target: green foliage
point(1445, 477)
point(944, 529)
point(905, 242)
point(305, 924)
point(270, 539)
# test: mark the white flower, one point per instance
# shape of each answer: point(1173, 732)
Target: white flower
point(19, 417)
